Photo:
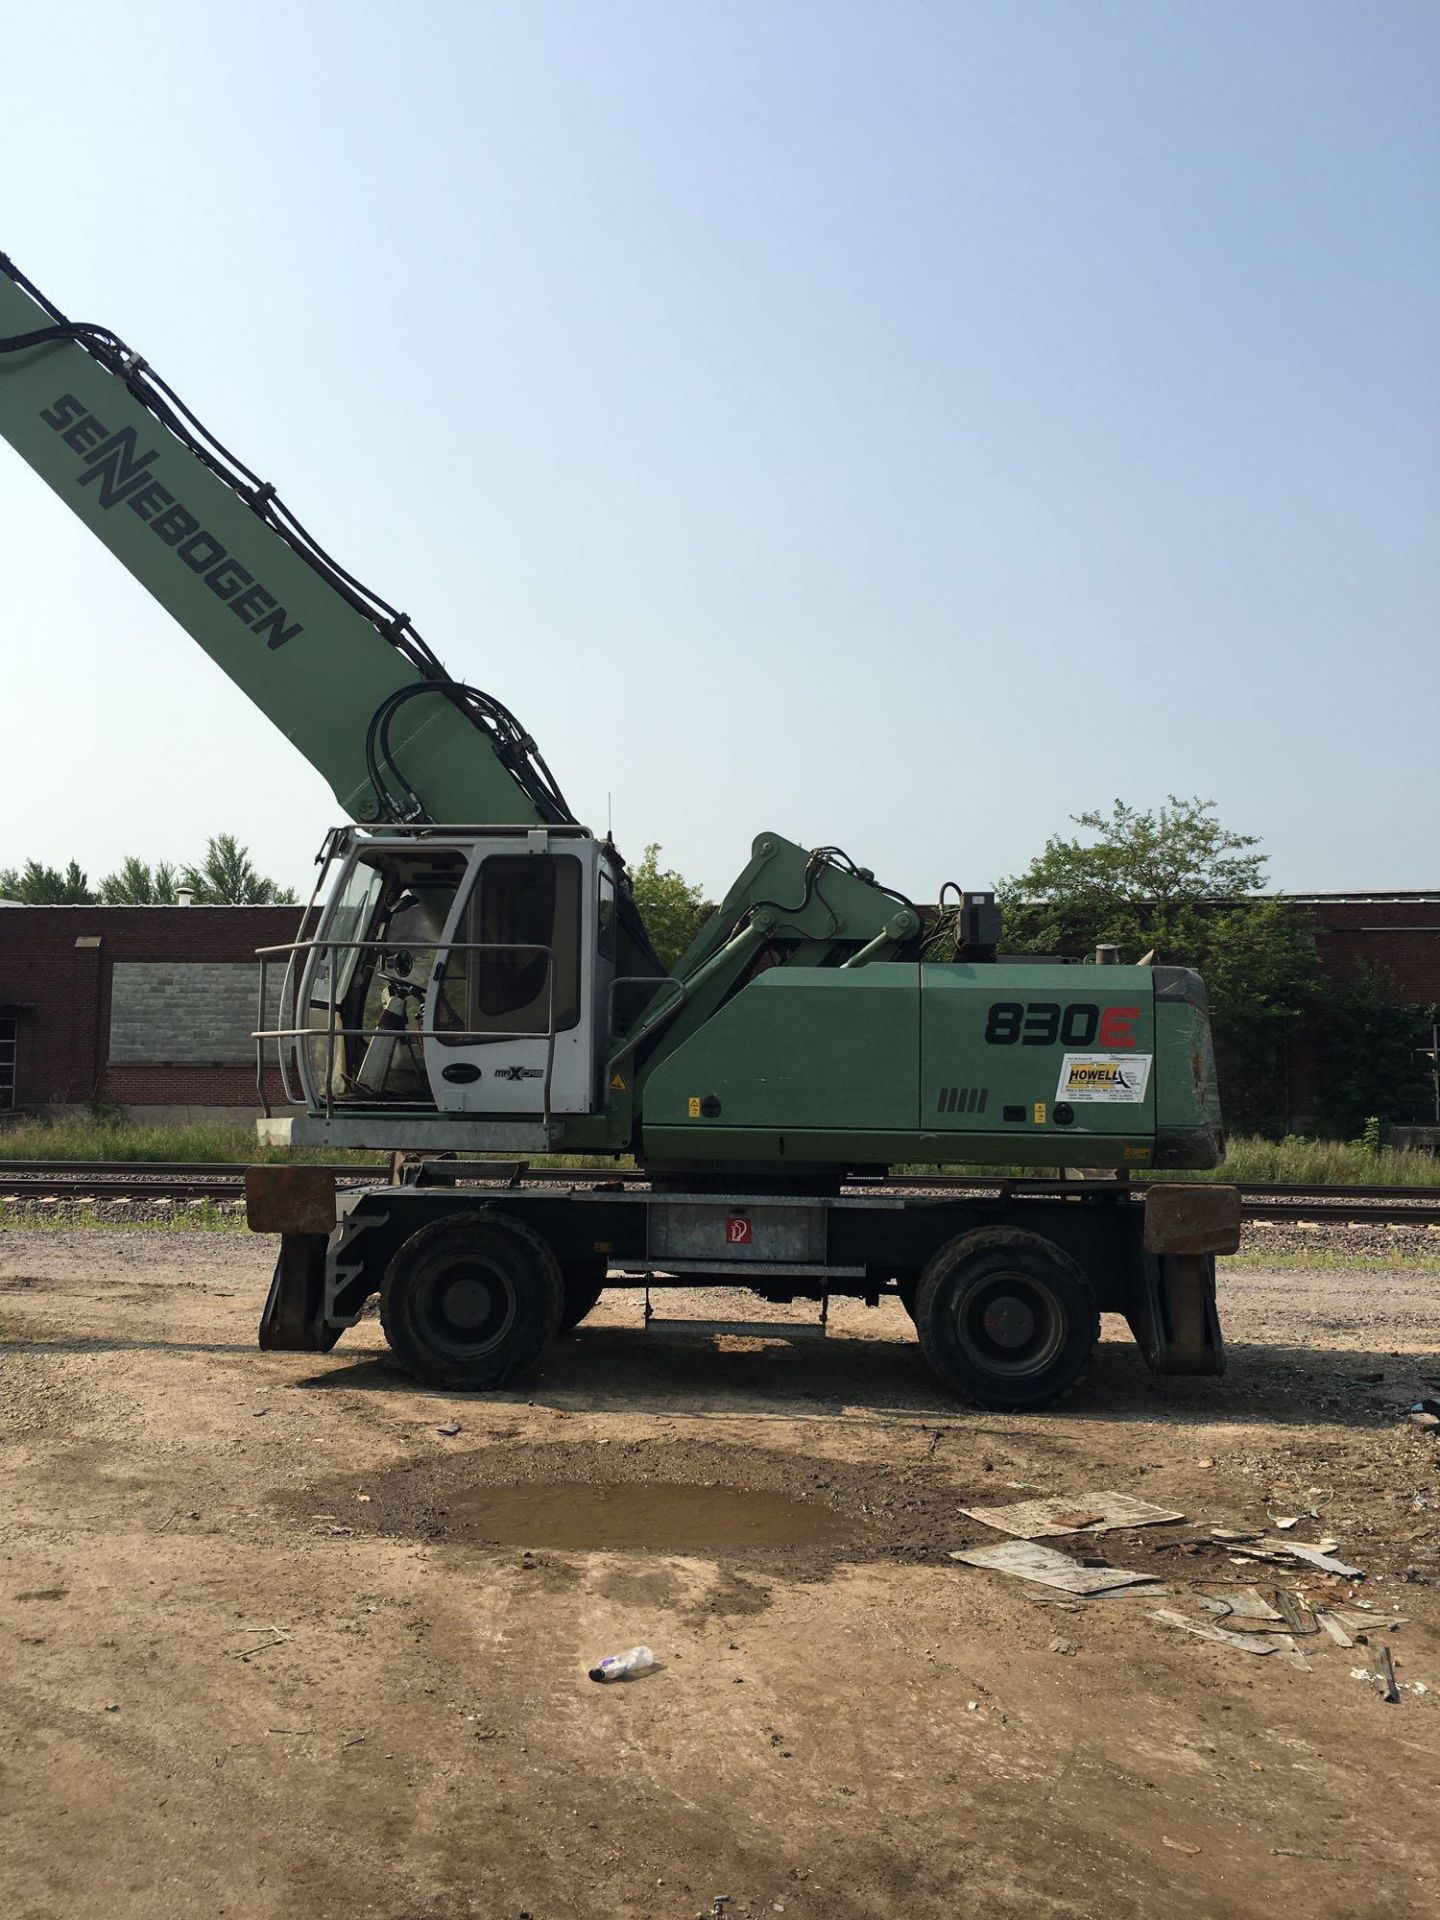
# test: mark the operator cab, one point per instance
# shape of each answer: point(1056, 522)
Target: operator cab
point(450, 972)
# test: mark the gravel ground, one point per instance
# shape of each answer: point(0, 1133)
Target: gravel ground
point(276, 1643)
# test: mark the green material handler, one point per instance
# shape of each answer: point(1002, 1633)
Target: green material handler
point(473, 978)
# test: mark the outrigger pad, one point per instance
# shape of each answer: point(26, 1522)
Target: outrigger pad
point(286, 1199)
point(1195, 1217)
point(294, 1316)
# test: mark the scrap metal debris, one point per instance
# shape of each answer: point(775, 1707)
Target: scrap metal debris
point(1298, 1617)
point(1389, 1690)
point(1383, 1678)
point(1244, 1618)
point(1314, 1557)
point(1245, 1603)
point(1243, 1642)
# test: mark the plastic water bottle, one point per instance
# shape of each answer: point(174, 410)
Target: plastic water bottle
point(615, 1665)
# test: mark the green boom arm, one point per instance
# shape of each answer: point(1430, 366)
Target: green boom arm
point(314, 651)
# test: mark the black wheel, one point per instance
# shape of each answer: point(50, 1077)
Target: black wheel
point(584, 1283)
point(1006, 1319)
point(471, 1299)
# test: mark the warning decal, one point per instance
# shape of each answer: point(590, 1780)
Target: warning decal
point(1116, 1079)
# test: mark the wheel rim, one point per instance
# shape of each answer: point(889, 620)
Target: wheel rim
point(466, 1306)
point(1010, 1324)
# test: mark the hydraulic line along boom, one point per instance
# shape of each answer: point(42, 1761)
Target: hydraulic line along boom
point(335, 669)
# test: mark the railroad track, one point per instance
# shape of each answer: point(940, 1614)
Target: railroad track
point(138, 1179)
point(57, 1181)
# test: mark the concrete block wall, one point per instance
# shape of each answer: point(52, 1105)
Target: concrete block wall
point(182, 1013)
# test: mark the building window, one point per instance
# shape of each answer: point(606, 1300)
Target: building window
point(8, 1026)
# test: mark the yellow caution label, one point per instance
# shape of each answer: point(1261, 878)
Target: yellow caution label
point(617, 1083)
point(603, 1246)
point(1137, 1153)
point(1039, 1113)
point(692, 1106)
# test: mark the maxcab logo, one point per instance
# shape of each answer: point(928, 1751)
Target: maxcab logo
point(1111, 1079)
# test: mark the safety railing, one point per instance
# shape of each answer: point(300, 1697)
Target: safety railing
point(648, 1019)
point(298, 977)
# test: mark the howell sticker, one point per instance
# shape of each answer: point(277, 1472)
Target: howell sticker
point(1113, 1079)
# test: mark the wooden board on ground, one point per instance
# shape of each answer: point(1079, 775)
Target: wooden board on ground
point(1064, 1513)
point(1029, 1561)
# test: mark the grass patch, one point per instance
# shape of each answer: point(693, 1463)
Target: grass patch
point(213, 1142)
point(1253, 1260)
point(1252, 1161)
point(1296, 1162)
point(78, 1137)
point(1292, 1162)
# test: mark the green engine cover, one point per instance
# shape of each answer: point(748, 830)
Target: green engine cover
point(1042, 1066)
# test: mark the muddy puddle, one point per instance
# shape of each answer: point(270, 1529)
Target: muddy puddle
point(663, 1516)
point(731, 1503)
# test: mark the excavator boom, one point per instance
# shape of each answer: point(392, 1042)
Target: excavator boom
point(334, 668)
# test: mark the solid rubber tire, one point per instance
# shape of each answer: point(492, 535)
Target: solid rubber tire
point(523, 1288)
point(953, 1286)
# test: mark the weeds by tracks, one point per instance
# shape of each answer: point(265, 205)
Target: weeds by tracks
point(1250, 1161)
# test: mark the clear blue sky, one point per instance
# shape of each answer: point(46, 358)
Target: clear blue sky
point(901, 425)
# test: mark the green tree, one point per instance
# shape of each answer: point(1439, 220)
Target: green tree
point(1370, 1058)
point(672, 908)
point(135, 884)
point(1137, 884)
point(35, 885)
point(227, 878)
point(1178, 884)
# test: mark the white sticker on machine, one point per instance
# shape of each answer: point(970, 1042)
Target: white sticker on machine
point(1116, 1079)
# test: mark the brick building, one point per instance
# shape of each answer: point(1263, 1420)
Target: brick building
point(1397, 931)
point(150, 1008)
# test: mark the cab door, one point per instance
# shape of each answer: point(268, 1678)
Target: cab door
point(509, 1007)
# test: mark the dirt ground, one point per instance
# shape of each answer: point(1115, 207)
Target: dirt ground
point(263, 1656)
